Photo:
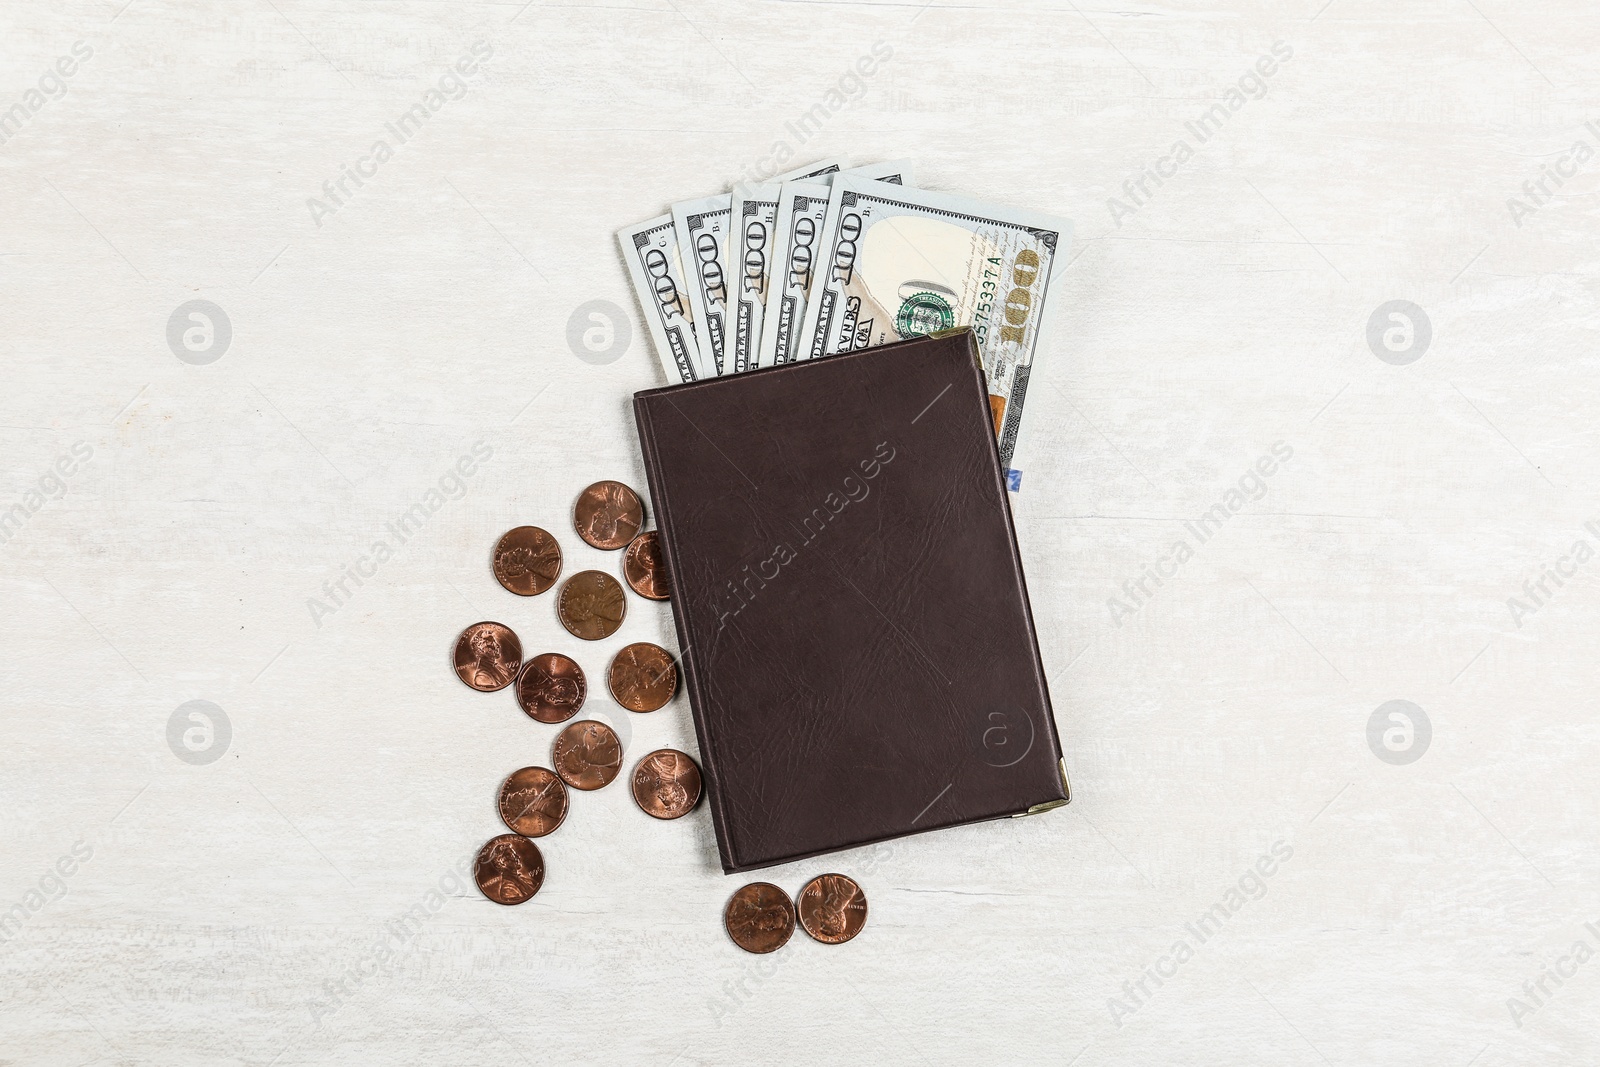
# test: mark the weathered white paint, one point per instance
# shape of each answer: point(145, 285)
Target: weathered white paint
point(430, 311)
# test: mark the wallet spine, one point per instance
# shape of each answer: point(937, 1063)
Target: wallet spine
point(680, 610)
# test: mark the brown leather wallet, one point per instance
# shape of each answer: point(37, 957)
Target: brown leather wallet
point(853, 623)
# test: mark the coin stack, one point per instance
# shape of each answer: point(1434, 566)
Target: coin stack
point(551, 687)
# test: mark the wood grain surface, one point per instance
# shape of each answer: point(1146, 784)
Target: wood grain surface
point(1255, 508)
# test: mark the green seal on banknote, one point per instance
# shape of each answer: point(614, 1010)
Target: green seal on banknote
point(923, 313)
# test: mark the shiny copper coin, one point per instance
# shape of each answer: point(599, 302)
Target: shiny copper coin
point(666, 784)
point(832, 907)
point(551, 687)
point(527, 561)
point(587, 755)
point(644, 568)
point(590, 605)
point(759, 917)
point(533, 801)
point(608, 514)
point(509, 869)
point(642, 677)
point(487, 656)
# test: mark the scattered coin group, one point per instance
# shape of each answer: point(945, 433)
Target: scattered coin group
point(761, 918)
point(551, 687)
point(587, 754)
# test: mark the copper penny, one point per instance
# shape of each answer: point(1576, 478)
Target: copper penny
point(643, 567)
point(759, 917)
point(487, 656)
point(551, 687)
point(666, 784)
point(832, 907)
point(509, 869)
point(590, 605)
point(608, 514)
point(587, 755)
point(642, 677)
point(533, 802)
point(527, 560)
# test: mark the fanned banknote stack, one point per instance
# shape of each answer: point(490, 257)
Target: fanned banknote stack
point(829, 259)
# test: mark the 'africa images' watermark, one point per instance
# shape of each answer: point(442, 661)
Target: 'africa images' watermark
point(1538, 592)
point(199, 332)
point(198, 732)
point(1399, 732)
point(1399, 332)
point(1537, 991)
point(51, 887)
point(52, 485)
point(852, 489)
point(452, 85)
point(379, 957)
point(598, 332)
point(846, 89)
point(52, 85)
point(739, 991)
point(1251, 85)
point(1539, 191)
point(452, 485)
point(1252, 485)
point(1251, 886)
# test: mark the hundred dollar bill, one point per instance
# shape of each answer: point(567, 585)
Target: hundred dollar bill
point(754, 212)
point(651, 251)
point(831, 165)
point(755, 209)
point(799, 221)
point(895, 172)
point(903, 263)
point(703, 244)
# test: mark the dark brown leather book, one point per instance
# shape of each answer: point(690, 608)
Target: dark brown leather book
point(852, 619)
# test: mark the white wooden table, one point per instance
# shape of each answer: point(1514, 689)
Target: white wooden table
point(171, 520)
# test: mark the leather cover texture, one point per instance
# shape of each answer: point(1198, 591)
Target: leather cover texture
point(852, 619)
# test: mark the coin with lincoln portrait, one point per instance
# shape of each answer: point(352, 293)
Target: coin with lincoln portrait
point(509, 869)
point(587, 755)
point(487, 656)
point(666, 784)
point(533, 802)
point(759, 917)
point(527, 560)
point(608, 514)
point(590, 605)
point(644, 568)
point(551, 687)
point(832, 908)
point(642, 677)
